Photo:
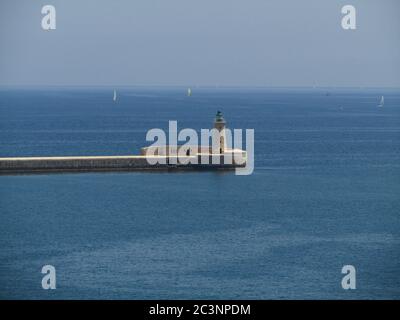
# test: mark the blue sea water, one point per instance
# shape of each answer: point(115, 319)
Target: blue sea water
point(324, 194)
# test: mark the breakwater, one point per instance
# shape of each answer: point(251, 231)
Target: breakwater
point(106, 163)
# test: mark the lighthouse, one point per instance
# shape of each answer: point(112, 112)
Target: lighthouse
point(219, 124)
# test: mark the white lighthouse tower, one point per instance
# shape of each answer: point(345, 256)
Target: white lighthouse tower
point(219, 124)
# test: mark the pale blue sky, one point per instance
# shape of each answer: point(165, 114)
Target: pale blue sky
point(200, 42)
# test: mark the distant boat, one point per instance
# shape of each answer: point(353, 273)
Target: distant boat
point(189, 92)
point(115, 96)
point(382, 102)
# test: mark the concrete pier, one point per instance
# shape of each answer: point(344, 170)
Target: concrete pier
point(156, 157)
point(108, 163)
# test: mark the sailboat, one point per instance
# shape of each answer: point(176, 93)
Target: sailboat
point(189, 92)
point(382, 102)
point(115, 95)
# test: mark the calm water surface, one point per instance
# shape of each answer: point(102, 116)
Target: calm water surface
point(325, 193)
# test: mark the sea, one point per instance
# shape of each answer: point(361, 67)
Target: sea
point(324, 194)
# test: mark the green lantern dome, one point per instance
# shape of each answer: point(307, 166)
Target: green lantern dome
point(219, 117)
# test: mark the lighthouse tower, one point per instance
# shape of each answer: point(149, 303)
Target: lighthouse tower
point(219, 124)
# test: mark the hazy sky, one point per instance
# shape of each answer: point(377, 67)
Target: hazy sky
point(200, 42)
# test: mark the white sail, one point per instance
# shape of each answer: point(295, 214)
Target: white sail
point(189, 92)
point(115, 95)
point(382, 102)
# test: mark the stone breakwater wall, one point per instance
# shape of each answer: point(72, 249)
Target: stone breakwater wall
point(101, 163)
